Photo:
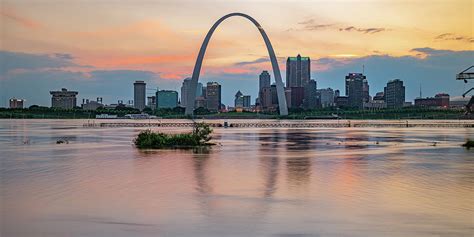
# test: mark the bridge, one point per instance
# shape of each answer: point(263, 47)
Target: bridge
point(191, 97)
point(294, 124)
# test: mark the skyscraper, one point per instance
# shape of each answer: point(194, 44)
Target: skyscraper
point(355, 90)
point(185, 90)
point(394, 94)
point(63, 99)
point(264, 80)
point(239, 100)
point(310, 96)
point(139, 95)
point(298, 70)
point(213, 96)
point(365, 90)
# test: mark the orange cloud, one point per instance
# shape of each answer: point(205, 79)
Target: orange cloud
point(137, 60)
point(28, 23)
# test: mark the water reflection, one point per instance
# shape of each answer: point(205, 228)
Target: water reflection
point(259, 182)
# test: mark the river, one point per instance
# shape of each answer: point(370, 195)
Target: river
point(254, 182)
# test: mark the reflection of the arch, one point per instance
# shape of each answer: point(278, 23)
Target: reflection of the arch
point(213, 205)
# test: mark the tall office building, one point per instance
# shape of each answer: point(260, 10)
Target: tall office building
point(185, 90)
point(213, 96)
point(265, 98)
point(166, 99)
point(365, 90)
point(310, 95)
point(355, 90)
point(298, 71)
point(139, 95)
point(264, 80)
point(63, 99)
point(239, 100)
point(394, 94)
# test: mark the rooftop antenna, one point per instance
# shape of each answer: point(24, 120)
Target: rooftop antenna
point(363, 68)
point(420, 91)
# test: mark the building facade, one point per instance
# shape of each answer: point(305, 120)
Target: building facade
point(213, 96)
point(91, 104)
point(440, 100)
point(298, 71)
point(186, 88)
point(394, 94)
point(166, 99)
point(63, 99)
point(139, 95)
point(297, 97)
point(310, 95)
point(326, 97)
point(264, 80)
point(151, 101)
point(16, 103)
point(355, 90)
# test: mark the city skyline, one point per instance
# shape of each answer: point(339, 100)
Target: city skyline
point(161, 51)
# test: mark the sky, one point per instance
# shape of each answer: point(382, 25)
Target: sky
point(101, 47)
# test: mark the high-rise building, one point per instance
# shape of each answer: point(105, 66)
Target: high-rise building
point(239, 100)
point(247, 101)
point(365, 90)
point(199, 89)
point(185, 90)
point(265, 99)
point(63, 99)
point(298, 71)
point(16, 103)
point(213, 96)
point(297, 97)
point(166, 99)
point(326, 97)
point(264, 80)
point(310, 95)
point(394, 94)
point(139, 95)
point(355, 90)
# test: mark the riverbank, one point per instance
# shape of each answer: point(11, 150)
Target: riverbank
point(318, 114)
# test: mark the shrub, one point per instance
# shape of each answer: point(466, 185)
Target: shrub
point(200, 136)
point(469, 144)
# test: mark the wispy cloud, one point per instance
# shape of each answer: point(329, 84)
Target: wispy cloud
point(450, 36)
point(24, 21)
point(362, 30)
point(256, 61)
point(314, 25)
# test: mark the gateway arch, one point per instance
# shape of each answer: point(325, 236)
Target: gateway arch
point(276, 70)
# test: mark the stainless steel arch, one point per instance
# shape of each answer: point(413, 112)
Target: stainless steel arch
point(276, 70)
